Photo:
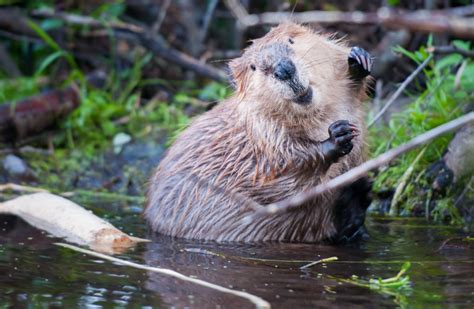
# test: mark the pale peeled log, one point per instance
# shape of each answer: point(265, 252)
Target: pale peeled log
point(63, 218)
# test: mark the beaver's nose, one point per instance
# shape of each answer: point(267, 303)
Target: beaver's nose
point(284, 69)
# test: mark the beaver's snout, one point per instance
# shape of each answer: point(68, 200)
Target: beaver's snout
point(284, 70)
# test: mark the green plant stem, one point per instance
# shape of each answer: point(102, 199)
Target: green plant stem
point(402, 184)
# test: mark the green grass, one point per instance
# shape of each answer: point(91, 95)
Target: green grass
point(446, 94)
point(119, 107)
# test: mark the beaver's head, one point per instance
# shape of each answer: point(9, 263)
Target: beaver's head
point(292, 69)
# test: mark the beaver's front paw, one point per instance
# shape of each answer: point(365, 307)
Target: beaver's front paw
point(340, 138)
point(360, 63)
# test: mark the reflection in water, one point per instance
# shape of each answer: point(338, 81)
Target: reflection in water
point(33, 271)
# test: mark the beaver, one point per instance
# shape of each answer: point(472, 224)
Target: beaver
point(295, 120)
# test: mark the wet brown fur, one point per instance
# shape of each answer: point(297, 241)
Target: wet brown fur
point(257, 148)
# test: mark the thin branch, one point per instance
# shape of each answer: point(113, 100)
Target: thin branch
point(206, 21)
point(126, 31)
point(359, 171)
point(182, 59)
point(18, 37)
point(155, 29)
point(400, 90)
point(432, 21)
point(75, 19)
point(257, 301)
point(446, 50)
point(8, 64)
point(239, 11)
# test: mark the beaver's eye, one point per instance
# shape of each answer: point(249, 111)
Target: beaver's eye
point(252, 66)
point(291, 41)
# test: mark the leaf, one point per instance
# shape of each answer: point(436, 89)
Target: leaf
point(51, 23)
point(43, 35)
point(393, 2)
point(429, 42)
point(448, 61)
point(406, 266)
point(461, 44)
point(49, 60)
point(110, 9)
point(49, 41)
point(403, 51)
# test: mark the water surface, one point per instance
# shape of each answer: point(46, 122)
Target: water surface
point(36, 273)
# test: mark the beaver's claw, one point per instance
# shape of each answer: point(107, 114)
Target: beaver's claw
point(360, 63)
point(340, 138)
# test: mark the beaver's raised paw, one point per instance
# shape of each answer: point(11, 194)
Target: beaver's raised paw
point(340, 138)
point(360, 63)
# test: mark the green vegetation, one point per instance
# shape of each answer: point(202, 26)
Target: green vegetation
point(447, 90)
point(397, 283)
point(399, 286)
point(81, 139)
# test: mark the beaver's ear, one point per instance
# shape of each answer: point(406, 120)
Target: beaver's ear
point(239, 74)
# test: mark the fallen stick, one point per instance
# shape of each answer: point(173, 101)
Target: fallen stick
point(400, 90)
point(257, 301)
point(34, 114)
point(359, 171)
point(430, 21)
point(449, 49)
point(144, 37)
point(62, 218)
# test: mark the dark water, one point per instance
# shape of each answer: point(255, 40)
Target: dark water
point(35, 273)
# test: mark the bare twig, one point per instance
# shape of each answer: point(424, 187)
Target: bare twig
point(8, 64)
point(19, 37)
point(206, 21)
point(257, 301)
point(182, 59)
point(445, 50)
point(75, 19)
point(433, 21)
point(239, 11)
point(399, 91)
point(126, 31)
point(359, 171)
point(161, 17)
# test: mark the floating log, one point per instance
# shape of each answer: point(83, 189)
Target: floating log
point(62, 218)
